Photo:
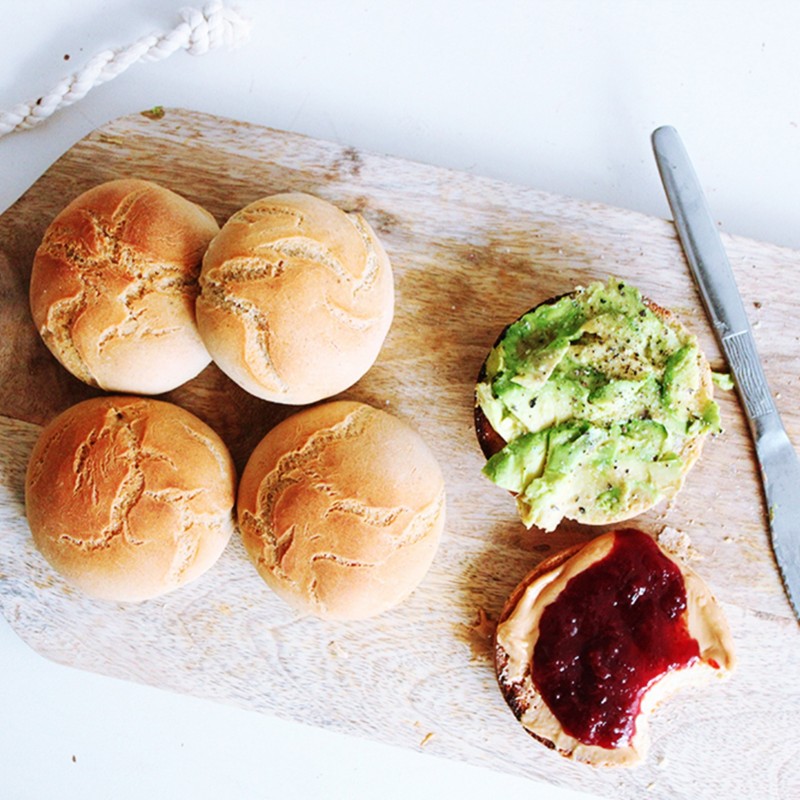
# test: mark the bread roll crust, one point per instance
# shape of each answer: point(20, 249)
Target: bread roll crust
point(129, 498)
point(296, 298)
point(341, 508)
point(114, 283)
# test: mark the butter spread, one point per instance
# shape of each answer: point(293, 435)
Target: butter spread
point(602, 403)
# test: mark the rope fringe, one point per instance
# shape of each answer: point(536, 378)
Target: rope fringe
point(199, 31)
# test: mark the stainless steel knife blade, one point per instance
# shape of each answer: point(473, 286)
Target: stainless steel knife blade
point(708, 261)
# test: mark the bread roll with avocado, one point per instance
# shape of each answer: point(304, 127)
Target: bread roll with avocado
point(296, 298)
point(597, 636)
point(128, 498)
point(114, 283)
point(341, 508)
point(593, 407)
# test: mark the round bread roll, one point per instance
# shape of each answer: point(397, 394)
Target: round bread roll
point(114, 284)
point(341, 508)
point(129, 498)
point(296, 298)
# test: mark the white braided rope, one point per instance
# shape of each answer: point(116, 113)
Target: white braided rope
point(199, 31)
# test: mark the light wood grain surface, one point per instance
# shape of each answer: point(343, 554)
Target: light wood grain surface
point(469, 255)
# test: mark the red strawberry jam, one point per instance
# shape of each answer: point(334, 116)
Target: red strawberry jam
point(615, 629)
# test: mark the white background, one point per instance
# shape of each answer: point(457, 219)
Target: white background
point(561, 96)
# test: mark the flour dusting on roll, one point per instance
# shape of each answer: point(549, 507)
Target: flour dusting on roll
point(114, 284)
point(296, 298)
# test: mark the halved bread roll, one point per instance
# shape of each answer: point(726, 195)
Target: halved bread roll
point(596, 636)
point(593, 406)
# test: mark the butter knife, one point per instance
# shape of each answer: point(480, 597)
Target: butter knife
point(780, 469)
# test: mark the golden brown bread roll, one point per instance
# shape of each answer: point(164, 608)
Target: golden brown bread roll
point(129, 498)
point(114, 283)
point(341, 508)
point(296, 298)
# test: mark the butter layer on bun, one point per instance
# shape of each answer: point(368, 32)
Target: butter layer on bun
point(341, 508)
point(296, 298)
point(593, 407)
point(114, 283)
point(597, 636)
point(128, 498)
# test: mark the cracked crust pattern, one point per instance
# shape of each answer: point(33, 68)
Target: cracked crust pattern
point(296, 298)
point(114, 283)
point(341, 508)
point(129, 497)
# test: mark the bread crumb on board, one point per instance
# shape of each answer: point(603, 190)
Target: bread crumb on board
point(484, 625)
point(677, 543)
point(427, 737)
point(335, 650)
point(478, 635)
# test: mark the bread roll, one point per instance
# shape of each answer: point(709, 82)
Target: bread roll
point(341, 508)
point(594, 406)
point(129, 498)
point(636, 626)
point(296, 298)
point(114, 284)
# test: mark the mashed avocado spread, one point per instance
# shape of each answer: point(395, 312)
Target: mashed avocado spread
point(600, 401)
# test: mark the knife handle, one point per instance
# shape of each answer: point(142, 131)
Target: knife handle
point(751, 383)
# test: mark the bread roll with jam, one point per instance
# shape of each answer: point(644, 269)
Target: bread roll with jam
point(593, 407)
point(341, 508)
point(128, 498)
point(114, 283)
point(595, 637)
point(296, 298)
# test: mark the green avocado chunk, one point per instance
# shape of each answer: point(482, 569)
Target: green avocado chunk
point(599, 399)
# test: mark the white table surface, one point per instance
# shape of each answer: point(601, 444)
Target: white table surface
point(561, 96)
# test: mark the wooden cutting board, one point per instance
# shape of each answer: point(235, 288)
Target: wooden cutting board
point(469, 255)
